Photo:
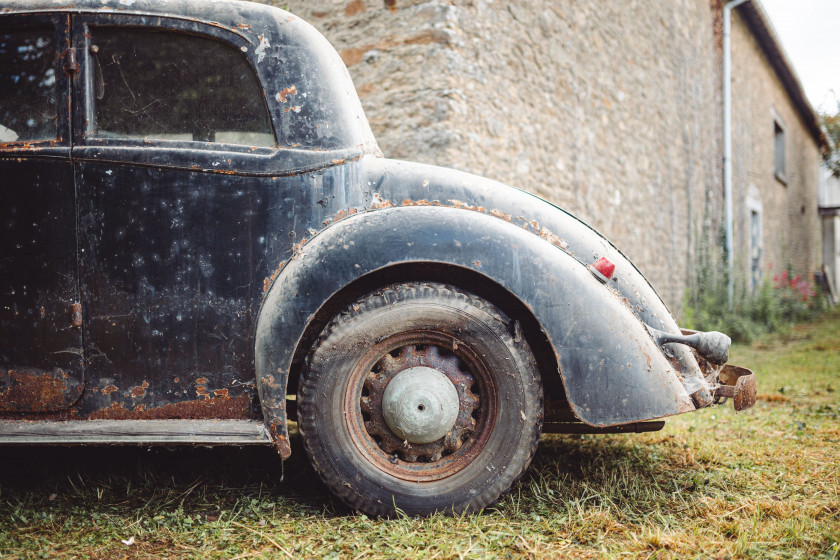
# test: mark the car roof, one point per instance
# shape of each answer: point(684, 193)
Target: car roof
point(231, 14)
point(287, 47)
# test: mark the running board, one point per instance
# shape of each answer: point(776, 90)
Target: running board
point(137, 432)
point(579, 428)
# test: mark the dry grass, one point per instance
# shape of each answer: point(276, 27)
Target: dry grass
point(713, 484)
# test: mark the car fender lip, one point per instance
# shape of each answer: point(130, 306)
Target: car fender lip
point(583, 329)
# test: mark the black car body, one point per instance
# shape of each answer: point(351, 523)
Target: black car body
point(194, 211)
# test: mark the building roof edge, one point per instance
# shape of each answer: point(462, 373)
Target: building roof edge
point(761, 27)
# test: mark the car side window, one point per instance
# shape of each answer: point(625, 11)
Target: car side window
point(168, 86)
point(27, 85)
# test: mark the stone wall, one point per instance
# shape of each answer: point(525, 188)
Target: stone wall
point(608, 109)
point(611, 110)
point(788, 204)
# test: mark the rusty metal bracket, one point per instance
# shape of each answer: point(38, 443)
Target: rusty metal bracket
point(77, 314)
point(71, 61)
point(739, 384)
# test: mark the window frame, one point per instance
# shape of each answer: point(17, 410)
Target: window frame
point(60, 24)
point(779, 160)
point(755, 226)
point(84, 90)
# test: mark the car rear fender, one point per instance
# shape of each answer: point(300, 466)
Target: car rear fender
point(613, 372)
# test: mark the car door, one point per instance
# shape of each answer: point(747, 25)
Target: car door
point(171, 203)
point(41, 359)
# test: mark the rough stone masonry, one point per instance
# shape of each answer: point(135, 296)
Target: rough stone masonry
point(611, 110)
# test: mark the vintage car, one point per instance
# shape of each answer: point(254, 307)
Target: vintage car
point(202, 243)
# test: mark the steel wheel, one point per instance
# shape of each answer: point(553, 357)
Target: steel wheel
point(419, 396)
point(386, 443)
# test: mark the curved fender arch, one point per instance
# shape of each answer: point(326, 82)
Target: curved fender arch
point(612, 371)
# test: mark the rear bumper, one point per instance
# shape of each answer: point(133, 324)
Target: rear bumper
point(719, 381)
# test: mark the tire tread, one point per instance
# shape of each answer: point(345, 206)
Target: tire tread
point(341, 325)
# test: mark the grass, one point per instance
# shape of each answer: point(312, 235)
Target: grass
point(712, 484)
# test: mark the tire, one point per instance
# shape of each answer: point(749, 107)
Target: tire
point(427, 339)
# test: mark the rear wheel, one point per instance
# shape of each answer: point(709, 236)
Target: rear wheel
point(421, 397)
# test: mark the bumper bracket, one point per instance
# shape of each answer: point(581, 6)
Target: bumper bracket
point(737, 383)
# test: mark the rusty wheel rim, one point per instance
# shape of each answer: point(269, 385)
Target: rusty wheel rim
point(369, 431)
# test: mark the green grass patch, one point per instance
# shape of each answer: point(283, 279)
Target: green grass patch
point(713, 484)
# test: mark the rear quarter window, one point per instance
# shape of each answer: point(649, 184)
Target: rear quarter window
point(163, 85)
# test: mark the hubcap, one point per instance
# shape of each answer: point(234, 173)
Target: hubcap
point(420, 369)
point(420, 404)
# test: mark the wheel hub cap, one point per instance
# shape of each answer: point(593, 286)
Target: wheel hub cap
point(420, 405)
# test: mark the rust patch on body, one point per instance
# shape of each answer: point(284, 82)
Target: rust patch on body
point(77, 314)
point(501, 215)
point(340, 215)
point(283, 94)
point(378, 203)
point(531, 225)
point(219, 407)
point(298, 246)
point(553, 239)
point(465, 206)
point(269, 279)
point(268, 381)
point(423, 202)
point(140, 390)
point(277, 432)
point(201, 388)
point(108, 389)
point(34, 392)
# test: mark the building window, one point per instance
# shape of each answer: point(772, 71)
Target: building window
point(779, 152)
point(755, 249)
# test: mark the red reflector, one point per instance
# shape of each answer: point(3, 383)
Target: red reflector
point(602, 269)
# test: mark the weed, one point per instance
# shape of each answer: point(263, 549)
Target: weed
point(769, 307)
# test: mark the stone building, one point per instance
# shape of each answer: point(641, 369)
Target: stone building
point(777, 164)
point(611, 110)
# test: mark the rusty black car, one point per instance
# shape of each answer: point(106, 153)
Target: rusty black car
point(202, 244)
